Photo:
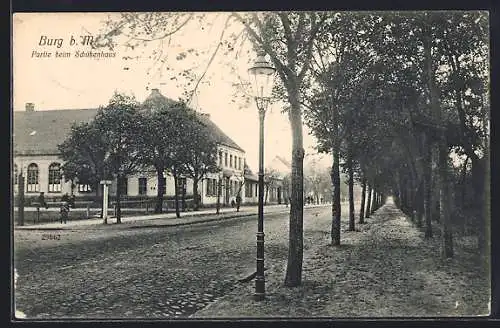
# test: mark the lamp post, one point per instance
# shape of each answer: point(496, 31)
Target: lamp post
point(262, 75)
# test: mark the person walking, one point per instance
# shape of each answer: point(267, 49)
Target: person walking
point(238, 202)
point(64, 211)
point(41, 201)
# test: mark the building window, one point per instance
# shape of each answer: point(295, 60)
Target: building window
point(32, 179)
point(230, 160)
point(181, 186)
point(220, 158)
point(239, 163)
point(212, 187)
point(15, 174)
point(123, 185)
point(225, 159)
point(248, 191)
point(164, 186)
point(143, 186)
point(55, 177)
point(256, 190)
point(83, 188)
point(208, 192)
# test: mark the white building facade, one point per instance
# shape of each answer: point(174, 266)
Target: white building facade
point(37, 134)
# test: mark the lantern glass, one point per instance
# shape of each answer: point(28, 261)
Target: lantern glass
point(261, 77)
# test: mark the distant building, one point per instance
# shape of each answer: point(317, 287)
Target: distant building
point(37, 133)
point(279, 170)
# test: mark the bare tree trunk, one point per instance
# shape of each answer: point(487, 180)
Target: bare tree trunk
point(267, 192)
point(444, 196)
point(368, 202)
point(160, 191)
point(196, 204)
point(420, 203)
point(118, 199)
point(362, 207)
point(351, 196)
point(296, 233)
point(428, 191)
point(445, 200)
point(183, 197)
point(484, 222)
point(336, 205)
point(176, 194)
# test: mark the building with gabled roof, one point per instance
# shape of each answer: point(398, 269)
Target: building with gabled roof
point(37, 134)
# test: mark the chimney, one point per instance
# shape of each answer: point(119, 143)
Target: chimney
point(30, 107)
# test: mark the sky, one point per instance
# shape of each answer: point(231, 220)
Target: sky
point(75, 82)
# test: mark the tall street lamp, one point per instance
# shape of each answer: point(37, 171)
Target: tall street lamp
point(262, 77)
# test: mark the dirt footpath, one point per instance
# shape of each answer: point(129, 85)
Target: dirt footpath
point(386, 269)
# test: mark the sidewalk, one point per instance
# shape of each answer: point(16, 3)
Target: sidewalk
point(386, 269)
point(157, 220)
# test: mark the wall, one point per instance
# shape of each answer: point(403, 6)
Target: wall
point(43, 162)
point(232, 174)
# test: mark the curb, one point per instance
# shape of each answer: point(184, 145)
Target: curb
point(139, 226)
point(200, 221)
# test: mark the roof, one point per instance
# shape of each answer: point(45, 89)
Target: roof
point(155, 98)
point(219, 135)
point(39, 132)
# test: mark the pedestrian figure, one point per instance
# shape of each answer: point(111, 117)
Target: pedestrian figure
point(64, 211)
point(238, 202)
point(72, 201)
point(41, 201)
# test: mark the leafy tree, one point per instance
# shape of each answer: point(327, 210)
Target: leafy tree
point(117, 125)
point(341, 68)
point(84, 153)
point(288, 39)
point(157, 135)
point(201, 157)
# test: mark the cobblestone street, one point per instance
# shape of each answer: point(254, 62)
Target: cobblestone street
point(160, 272)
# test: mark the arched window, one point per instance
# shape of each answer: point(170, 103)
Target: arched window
point(32, 184)
point(55, 177)
point(14, 178)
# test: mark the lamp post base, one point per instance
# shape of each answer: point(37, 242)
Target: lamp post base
point(259, 296)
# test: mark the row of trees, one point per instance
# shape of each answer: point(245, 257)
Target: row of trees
point(390, 96)
point(127, 137)
point(393, 97)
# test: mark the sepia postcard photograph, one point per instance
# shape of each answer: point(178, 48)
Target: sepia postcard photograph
point(250, 165)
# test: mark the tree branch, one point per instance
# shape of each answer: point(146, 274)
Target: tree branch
point(210, 60)
point(309, 45)
point(164, 35)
